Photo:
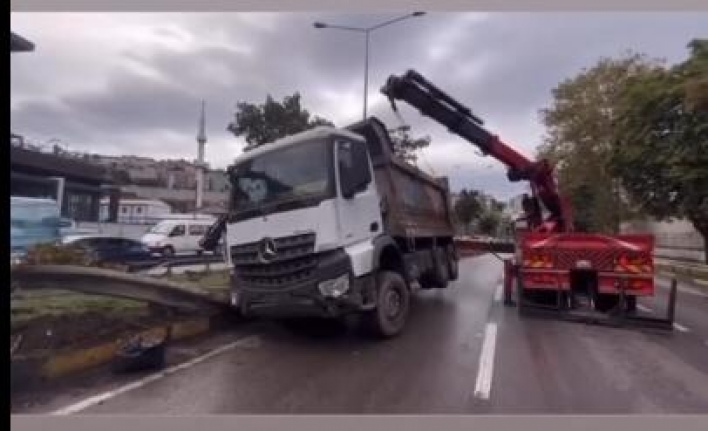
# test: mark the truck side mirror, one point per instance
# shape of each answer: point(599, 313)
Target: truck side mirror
point(354, 170)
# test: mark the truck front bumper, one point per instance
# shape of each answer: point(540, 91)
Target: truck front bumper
point(305, 299)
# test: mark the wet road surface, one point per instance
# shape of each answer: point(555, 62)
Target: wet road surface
point(462, 352)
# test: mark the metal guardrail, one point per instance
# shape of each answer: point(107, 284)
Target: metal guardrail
point(117, 284)
point(171, 262)
point(467, 247)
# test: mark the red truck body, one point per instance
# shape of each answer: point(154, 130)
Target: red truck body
point(554, 267)
point(548, 261)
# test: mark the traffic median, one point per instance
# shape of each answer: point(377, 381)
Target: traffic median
point(60, 332)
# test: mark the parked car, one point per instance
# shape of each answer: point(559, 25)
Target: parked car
point(170, 237)
point(111, 249)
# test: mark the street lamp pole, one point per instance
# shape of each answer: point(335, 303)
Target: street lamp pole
point(367, 38)
point(366, 72)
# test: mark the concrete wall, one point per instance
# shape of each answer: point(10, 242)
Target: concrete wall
point(674, 239)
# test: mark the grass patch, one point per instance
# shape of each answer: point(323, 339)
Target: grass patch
point(30, 305)
point(213, 281)
point(695, 272)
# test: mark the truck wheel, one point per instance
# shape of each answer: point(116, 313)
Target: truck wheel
point(631, 304)
point(441, 276)
point(392, 305)
point(605, 303)
point(453, 263)
point(438, 276)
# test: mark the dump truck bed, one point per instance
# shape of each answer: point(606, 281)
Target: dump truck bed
point(415, 204)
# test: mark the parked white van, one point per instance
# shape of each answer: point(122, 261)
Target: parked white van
point(170, 237)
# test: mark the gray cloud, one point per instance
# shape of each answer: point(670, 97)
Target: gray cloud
point(131, 83)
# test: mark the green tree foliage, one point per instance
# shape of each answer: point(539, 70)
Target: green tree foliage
point(263, 123)
point(405, 146)
point(489, 223)
point(662, 135)
point(581, 135)
point(468, 207)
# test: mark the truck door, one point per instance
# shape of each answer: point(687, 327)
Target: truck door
point(358, 203)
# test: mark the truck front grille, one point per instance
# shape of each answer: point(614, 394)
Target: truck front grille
point(293, 263)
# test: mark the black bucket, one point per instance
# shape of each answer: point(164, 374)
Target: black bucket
point(140, 355)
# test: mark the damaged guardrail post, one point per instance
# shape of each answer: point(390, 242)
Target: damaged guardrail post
point(670, 313)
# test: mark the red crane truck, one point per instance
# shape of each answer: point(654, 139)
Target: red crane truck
point(590, 277)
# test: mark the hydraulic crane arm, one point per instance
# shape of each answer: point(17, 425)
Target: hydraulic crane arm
point(415, 90)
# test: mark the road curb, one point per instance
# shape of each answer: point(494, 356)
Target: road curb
point(29, 370)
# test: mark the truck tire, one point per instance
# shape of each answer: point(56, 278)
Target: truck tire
point(453, 263)
point(392, 305)
point(438, 276)
point(605, 303)
point(441, 274)
point(631, 304)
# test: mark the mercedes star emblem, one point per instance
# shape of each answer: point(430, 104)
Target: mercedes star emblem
point(267, 250)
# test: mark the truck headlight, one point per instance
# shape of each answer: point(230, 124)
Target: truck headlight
point(334, 287)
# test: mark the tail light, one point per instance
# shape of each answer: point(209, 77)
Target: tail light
point(538, 260)
point(633, 264)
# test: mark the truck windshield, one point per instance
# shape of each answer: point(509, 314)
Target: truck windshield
point(291, 177)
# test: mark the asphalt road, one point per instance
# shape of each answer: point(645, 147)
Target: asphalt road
point(462, 352)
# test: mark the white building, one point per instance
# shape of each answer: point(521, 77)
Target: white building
point(137, 211)
point(514, 207)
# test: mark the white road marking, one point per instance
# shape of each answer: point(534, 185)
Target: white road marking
point(97, 399)
point(640, 307)
point(483, 387)
point(498, 293)
point(680, 327)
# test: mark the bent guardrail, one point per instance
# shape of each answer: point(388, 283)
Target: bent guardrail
point(117, 284)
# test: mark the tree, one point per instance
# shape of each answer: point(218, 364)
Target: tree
point(662, 152)
point(489, 223)
point(581, 135)
point(405, 146)
point(468, 207)
point(269, 121)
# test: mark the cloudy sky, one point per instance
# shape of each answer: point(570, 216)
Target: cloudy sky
point(129, 83)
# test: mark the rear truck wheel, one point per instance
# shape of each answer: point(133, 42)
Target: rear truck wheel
point(453, 262)
point(392, 306)
point(168, 251)
point(605, 303)
point(442, 268)
point(631, 304)
point(439, 275)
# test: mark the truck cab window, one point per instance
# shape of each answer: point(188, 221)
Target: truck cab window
point(354, 169)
